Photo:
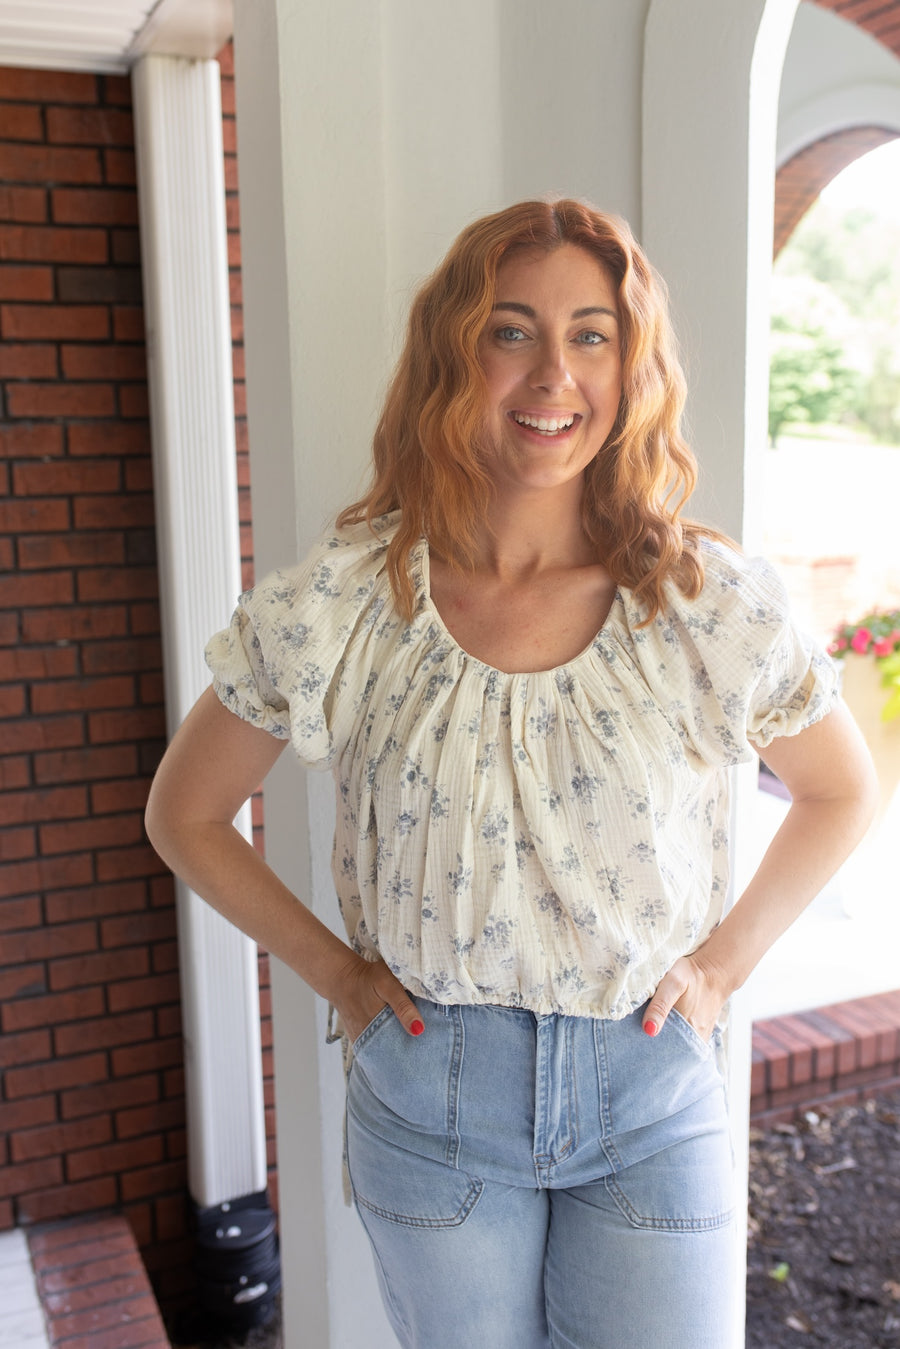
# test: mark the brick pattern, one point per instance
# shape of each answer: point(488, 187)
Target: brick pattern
point(232, 211)
point(92, 1094)
point(799, 181)
point(93, 1287)
point(828, 1056)
point(88, 962)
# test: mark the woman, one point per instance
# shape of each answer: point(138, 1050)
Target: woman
point(529, 676)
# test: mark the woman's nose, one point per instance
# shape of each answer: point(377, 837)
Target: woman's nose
point(551, 369)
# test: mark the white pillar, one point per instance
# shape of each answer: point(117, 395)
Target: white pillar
point(181, 192)
point(712, 74)
point(308, 86)
point(711, 80)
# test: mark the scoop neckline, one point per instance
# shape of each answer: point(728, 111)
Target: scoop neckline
point(422, 576)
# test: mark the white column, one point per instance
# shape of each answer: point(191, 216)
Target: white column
point(181, 192)
point(711, 79)
point(308, 86)
point(712, 73)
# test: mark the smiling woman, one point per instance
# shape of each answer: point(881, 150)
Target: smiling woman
point(529, 677)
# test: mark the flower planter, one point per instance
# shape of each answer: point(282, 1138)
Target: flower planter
point(874, 862)
point(864, 695)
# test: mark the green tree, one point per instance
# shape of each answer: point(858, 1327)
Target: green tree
point(854, 253)
point(813, 376)
point(854, 257)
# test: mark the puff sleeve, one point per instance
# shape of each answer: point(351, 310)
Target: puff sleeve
point(279, 663)
point(731, 668)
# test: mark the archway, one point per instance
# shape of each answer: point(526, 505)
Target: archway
point(800, 180)
point(842, 113)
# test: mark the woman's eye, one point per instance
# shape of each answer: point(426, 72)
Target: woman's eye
point(592, 338)
point(509, 334)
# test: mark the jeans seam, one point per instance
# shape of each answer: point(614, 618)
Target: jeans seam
point(642, 1220)
point(602, 1059)
point(473, 1194)
point(454, 1076)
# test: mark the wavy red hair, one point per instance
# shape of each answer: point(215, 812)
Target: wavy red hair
point(426, 458)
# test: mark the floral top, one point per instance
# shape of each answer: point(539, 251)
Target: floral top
point(552, 841)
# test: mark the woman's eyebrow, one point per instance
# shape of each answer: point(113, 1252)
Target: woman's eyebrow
point(530, 313)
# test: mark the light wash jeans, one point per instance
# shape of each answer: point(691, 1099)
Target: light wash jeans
point(532, 1181)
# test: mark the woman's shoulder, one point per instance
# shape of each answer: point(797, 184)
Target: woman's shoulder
point(343, 563)
point(741, 598)
point(726, 568)
point(746, 592)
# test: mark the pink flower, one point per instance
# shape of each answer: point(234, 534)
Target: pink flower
point(860, 640)
point(883, 648)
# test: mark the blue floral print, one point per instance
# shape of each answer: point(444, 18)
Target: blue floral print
point(551, 841)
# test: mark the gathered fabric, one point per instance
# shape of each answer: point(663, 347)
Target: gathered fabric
point(550, 841)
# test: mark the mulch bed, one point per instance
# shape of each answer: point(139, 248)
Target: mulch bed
point(196, 1331)
point(824, 1245)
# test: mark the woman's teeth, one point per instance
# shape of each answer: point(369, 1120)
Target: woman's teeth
point(549, 424)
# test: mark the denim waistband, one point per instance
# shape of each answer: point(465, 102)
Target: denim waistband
point(550, 1100)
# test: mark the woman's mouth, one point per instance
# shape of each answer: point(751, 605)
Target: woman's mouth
point(547, 426)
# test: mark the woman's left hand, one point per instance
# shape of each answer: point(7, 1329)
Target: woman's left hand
point(691, 989)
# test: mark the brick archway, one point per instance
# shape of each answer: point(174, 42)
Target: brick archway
point(799, 181)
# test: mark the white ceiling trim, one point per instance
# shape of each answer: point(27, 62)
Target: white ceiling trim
point(108, 36)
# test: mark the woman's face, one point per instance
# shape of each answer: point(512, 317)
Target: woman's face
point(552, 366)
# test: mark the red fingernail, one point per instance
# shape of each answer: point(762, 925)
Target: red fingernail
point(416, 1027)
point(651, 1027)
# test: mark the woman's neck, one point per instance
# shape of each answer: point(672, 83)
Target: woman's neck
point(533, 533)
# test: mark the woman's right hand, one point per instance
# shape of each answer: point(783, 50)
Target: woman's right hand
point(215, 761)
point(364, 988)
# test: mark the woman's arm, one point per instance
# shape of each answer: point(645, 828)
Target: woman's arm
point(828, 771)
point(213, 764)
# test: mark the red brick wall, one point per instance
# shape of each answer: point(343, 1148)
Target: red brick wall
point(92, 1097)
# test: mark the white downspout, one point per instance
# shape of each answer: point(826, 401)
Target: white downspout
point(181, 193)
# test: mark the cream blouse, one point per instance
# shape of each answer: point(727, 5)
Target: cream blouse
point(552, 841)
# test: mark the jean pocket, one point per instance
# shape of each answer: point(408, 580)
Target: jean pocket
point(406, 1189)
point(372, 1029)
point(690, 1034)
